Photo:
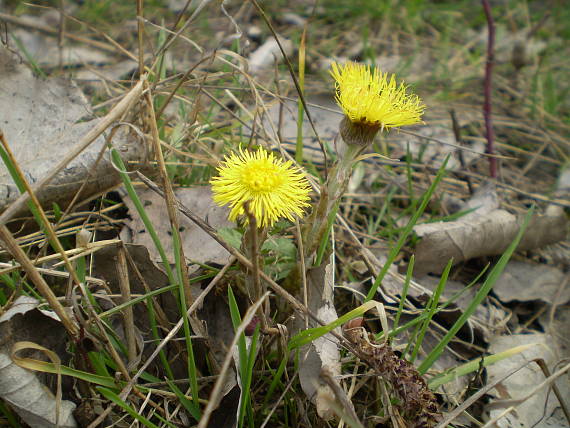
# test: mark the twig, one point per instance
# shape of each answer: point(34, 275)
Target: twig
point(457, 133)
point(514, 403)
point(128, 317)
point(140, 36)
point(542, 364)
point(487, 88)
point(327, 375)
point(471, 400)
point(12, 246)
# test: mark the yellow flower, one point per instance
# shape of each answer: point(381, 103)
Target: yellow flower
point(369, 98)
point(272, 188)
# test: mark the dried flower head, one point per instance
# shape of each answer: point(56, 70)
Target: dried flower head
point(372, 100)
point(272, 188)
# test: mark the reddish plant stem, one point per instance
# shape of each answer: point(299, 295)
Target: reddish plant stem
point(487, 87)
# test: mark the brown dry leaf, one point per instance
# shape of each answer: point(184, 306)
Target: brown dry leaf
point(525, 281)
point(199, 247)
point(46, 118)
point(487, 235)
point(104, 267)
point(537, 411)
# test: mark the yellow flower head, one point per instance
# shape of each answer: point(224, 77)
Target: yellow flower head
point(369, 98)
point(273, 188)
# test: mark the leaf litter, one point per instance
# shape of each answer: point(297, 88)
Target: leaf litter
point(485, 231)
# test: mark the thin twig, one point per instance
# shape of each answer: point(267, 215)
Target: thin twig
point(303, 272)
point(542, 364)
point(128, 317)
point(458, 140)
point(487, 88)
point(347, 405)
point(12, 246)
point(449, 417)
point(140, 35)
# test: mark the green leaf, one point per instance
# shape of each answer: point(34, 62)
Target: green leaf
point(231, 235)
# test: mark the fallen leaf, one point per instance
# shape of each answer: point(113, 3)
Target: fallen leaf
point(46, 119)
point(487, 235)
point(25, 390)
point(199, 247)
point(525, 281)
point(542, 404)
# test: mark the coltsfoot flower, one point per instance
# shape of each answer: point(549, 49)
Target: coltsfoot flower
point(371, 100)
point(272, 188)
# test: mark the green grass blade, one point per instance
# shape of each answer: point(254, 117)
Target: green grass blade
point(311, 334)
point(396, 248)
point(431, 309)
point(479, 297)
point(243, 355)
point(118, 162)
point(474, 365)
point(110, 395)
point(407, 281)
point(247, 377)
point(8, 414)
point(192, 371)
point(141, 211)
point(276, 379)
point(188, 405)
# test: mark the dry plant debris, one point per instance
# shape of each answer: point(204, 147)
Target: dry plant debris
point(173, 314)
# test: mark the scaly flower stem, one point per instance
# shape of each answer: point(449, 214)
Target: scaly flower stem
point(488, 79)
point(331, 193)
point(252, 241)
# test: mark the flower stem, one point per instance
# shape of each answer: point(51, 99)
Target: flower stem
point(251, 244)
point(331, 193)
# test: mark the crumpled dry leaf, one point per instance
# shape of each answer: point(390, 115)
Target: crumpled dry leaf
point(24, 389)
point(322, 352)
point(45, 120)
point(525, 281)
point(199, 247)
point(533, 411)
point(487, 235)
